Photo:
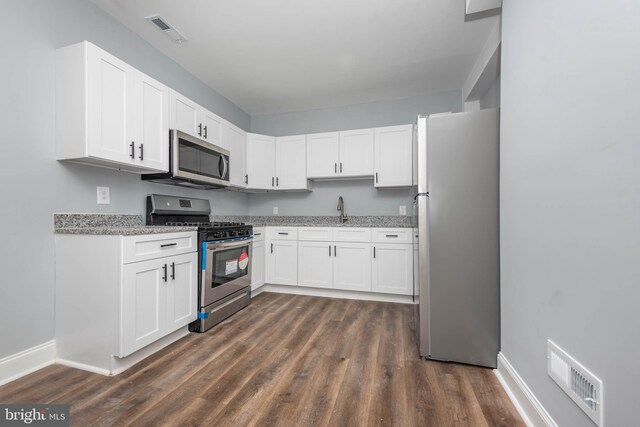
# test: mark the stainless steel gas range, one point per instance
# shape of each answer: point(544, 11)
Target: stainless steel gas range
point(224, 262)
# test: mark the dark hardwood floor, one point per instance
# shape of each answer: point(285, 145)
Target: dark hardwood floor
point(283, 361)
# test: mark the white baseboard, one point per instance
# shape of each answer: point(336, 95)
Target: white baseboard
point(257, 291)
point(83, 366)
point(336, 293)
point(27, 361)
point(527, 404)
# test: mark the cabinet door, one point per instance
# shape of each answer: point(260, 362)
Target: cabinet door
point(282, 262)
point(212, 128)
point(291, 168)
point(236, 141)
point(111, 115)
point(352, 266)
point(183, 114)
point(393, 156)
point(182, 290)
point(392, 268)
point(322, 155)
point(261, 153)
point(315, 268)
point(143, 311)
point(257, 265)
point(356, 153)
point(152, 123)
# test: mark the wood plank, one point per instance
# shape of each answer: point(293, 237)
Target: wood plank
point(284, 360)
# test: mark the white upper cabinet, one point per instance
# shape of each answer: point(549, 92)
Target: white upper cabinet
point(212, 126)
point(356, 153)
point(291, 170)
point(183, 114)
point(235, 140)
point(322, 155)
point(394, 156)
point(189, 117)
point(347, 154)
point(152, 119)
point(261, 162)
point(108, 113)
point(276, 163)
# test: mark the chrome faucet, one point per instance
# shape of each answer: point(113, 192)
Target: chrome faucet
point(343, 216)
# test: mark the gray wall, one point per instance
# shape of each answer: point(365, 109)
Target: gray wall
point(360, 196)
point(34, 184)
point(570, 197)
point(491, 98)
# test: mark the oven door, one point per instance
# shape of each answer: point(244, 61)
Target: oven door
point(227, 269)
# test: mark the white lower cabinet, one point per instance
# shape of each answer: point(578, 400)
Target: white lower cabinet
point(341, 258)
point(258, 257)
point(315, 264)
point(158, 297)
point(392, 271)
point(282, 262)
point(121, 298)
point(352, 266)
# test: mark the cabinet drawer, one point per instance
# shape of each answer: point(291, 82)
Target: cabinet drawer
point(283, 233)
point(258, 234)
point(392, 235)
point(352, 234)
point(315, 234)
point(150, 246)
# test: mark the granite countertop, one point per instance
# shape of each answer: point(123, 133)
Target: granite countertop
point(108, 224)
point(321, 221)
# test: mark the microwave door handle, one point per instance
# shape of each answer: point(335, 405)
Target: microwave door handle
point(225, 166)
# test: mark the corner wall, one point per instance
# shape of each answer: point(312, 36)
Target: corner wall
point(570, 197)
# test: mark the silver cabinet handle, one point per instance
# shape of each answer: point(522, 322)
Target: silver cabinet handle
point(335, 168)
point(164, 268)
point(391, 235)
point(335, 250)
point(272, 248)
point(166, 245)
point(272, 179)
point(173, 271)
point(133, 150)
point(329, 250)
point(376, 177)
point(246, 179)
point(141, 151)
point(205, 132)
point(374, 251)
point(283, 234)
point(199, 129)
point(257, 234)
point(340, 167)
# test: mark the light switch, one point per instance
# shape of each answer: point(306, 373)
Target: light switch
point(403, 209)
point(275, 210)
point(104, 196)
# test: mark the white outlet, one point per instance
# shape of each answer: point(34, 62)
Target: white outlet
point(275, 210)
point(104, 196)
point(403, 209)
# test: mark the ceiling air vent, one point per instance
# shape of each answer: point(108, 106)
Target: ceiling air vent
point(167, 29)
point(574, 379)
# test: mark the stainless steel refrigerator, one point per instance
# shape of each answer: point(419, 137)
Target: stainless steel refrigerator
point(456, 209)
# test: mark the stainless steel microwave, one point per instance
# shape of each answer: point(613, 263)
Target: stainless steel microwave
point(193, 163)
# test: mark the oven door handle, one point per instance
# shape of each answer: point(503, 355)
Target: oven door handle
point(215, 247)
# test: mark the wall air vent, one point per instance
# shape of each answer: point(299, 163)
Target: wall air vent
point(584, 388)
point(166, 29)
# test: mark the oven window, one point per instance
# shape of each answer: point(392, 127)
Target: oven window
point(229, 265)
point(199, 160)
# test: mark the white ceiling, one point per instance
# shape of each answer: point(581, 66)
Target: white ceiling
point(272, 56)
